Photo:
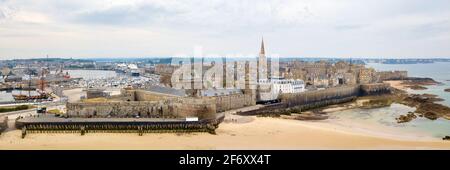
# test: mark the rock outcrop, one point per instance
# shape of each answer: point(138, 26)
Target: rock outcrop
point(425, 104)
point(406, 118)
point(416, 87)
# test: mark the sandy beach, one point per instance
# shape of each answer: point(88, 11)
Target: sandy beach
point(259, 133)
point(241, 132)
point(397, 84)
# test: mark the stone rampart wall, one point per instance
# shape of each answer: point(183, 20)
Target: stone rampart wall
point(310, 97)
point(233, 101)
point(171, 108)
point(375, 89)
point(334, 95)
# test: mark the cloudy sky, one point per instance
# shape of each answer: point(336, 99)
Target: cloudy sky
point(304, 28)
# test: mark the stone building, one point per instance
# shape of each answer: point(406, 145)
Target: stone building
point(164, 69)
point(161, 103)
point(367, 75)
point(323, 74)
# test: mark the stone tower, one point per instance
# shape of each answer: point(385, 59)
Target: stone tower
point(250, 82)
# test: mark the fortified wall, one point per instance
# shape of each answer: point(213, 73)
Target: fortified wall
point(318, 98)
point(142, 95)
point(375, 89)
point(170, 108)
point(335, 95)
point(234, 101)
point(392, 75)
point(146, 104)
point(223, 102)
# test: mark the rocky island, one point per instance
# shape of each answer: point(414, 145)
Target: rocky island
point(425, 106)
point(418, 83)
point(447, 90)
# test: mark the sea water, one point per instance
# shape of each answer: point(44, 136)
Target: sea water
point(439, 71)
point(6, 96)
point(384, 118)
point(91, 74)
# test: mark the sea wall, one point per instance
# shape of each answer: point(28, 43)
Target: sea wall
point(233, 101)
point(320, 96)
point(375, 89)
point(335, 95)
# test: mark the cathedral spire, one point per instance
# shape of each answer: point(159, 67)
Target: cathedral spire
point(262, 47)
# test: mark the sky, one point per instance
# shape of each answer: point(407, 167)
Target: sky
point(291, 28)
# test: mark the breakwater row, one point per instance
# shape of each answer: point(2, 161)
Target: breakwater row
point(115, 125)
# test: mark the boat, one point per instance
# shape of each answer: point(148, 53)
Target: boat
point(42, 95)
point(20, 97)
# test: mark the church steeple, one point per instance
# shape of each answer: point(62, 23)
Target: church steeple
point(262, 47)
point(262, 63)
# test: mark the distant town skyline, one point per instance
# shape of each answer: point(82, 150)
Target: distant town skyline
point(159, 28)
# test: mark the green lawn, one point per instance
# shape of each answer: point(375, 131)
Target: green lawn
point(14, 108)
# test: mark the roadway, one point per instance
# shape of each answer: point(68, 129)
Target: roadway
point(26, 113)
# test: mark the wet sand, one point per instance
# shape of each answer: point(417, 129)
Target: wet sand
point(398, 84)
point(258, 133)
point(240, 132)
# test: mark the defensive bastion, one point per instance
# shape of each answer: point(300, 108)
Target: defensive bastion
point(134, 111)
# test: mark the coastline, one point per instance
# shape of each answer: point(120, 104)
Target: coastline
point(284, 134)
point(398, 84)
point(243, 132)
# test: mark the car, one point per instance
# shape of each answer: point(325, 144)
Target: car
point(42, 109)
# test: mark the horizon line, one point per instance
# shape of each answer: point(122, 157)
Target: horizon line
point(165, 57)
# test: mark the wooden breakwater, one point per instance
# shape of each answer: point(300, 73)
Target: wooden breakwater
point(115, 125)
point(320, 98)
